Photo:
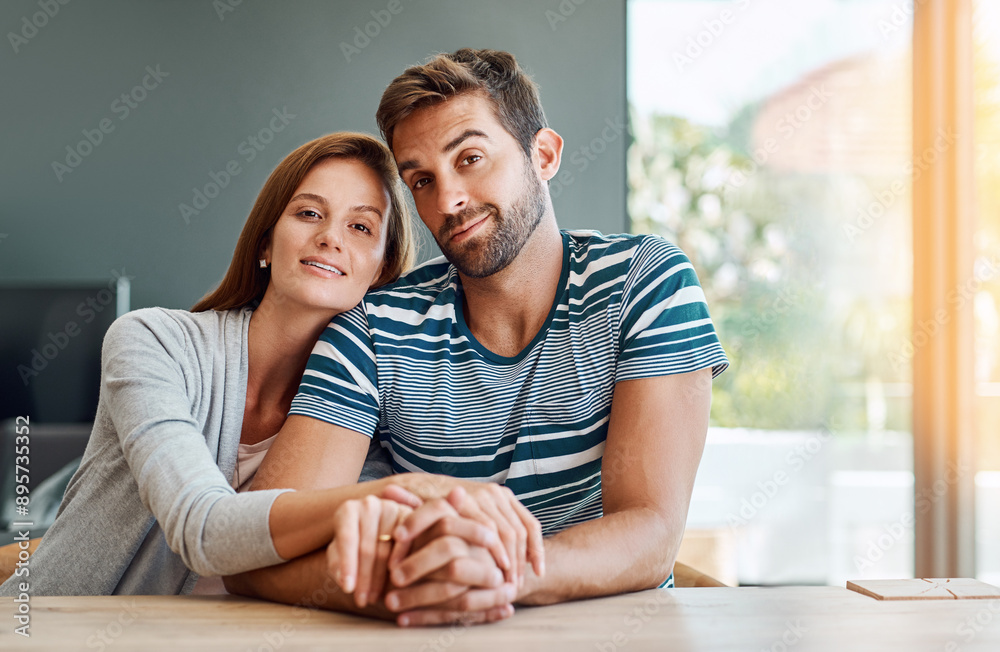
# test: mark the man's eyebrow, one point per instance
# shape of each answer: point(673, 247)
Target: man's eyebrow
point(407, 165)
point(462, 137)
point(468, 133)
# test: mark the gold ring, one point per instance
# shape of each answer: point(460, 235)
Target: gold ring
point(385, 537)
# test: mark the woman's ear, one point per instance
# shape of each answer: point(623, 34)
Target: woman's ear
point(265, 252)
point(548, 147)
point(378, 280)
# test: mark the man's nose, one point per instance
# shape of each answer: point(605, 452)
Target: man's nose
point(451, 195)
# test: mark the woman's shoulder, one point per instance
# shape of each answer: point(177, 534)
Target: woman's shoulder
point(172, 327)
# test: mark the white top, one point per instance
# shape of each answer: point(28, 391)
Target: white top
point(248, 459)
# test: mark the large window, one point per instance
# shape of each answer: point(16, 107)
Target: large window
point(986, 87)
point(772, 142)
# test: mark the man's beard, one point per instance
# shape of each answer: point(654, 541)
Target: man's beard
point(487, 254)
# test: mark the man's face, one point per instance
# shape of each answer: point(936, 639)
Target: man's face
point(472, 185)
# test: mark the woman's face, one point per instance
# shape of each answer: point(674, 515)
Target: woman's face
point(326, 249)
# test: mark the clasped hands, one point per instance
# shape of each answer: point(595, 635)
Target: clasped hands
point(433, 559)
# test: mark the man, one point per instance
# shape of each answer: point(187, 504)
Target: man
point(573, 368)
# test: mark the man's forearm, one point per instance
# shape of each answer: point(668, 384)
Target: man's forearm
point(631, 550)
point(303, 581)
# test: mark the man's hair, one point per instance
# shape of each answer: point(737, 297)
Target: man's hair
point(511, 91)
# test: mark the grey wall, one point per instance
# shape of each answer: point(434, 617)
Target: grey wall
point(118, 209)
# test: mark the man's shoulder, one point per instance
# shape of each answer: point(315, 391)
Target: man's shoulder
point(628, 249)
point(423, 282)
point(418, 303)
point(422, 295)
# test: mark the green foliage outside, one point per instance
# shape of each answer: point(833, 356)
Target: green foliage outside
point(805, 351)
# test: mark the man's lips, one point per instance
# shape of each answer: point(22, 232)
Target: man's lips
point(467, 229)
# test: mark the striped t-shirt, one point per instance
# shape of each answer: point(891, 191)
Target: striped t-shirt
point(404, 365)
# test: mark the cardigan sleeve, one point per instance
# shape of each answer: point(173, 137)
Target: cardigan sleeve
point(148, 369)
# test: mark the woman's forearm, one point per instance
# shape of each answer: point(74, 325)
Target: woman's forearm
point(302, 521)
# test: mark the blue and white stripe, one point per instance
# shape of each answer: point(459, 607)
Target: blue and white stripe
point(404, 365)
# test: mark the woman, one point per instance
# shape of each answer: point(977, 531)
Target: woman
point(190, 400)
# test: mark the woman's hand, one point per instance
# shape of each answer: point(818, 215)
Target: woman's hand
point(496, 507)
point(358, 554)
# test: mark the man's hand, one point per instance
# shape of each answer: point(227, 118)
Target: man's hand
point(458, 582)
point(469, 589)
point(453, 576)
point(488, 503)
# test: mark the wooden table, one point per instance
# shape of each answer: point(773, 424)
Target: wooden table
point(751, 619)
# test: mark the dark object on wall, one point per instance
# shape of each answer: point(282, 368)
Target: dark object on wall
point(50, 348)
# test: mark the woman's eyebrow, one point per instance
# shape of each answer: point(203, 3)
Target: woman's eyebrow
point(319, 199)
point(365, 208)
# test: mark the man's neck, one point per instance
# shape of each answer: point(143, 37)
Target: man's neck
point(506, 310)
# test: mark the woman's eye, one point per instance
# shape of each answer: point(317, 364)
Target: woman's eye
point(361, 227)
point(308, 213)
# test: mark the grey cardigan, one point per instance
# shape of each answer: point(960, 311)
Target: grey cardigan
point(151, 507)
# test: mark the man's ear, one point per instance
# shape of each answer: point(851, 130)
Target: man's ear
point(548, 148)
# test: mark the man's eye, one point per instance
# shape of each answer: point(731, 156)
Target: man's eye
point(420, 183)
point(471, 158)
